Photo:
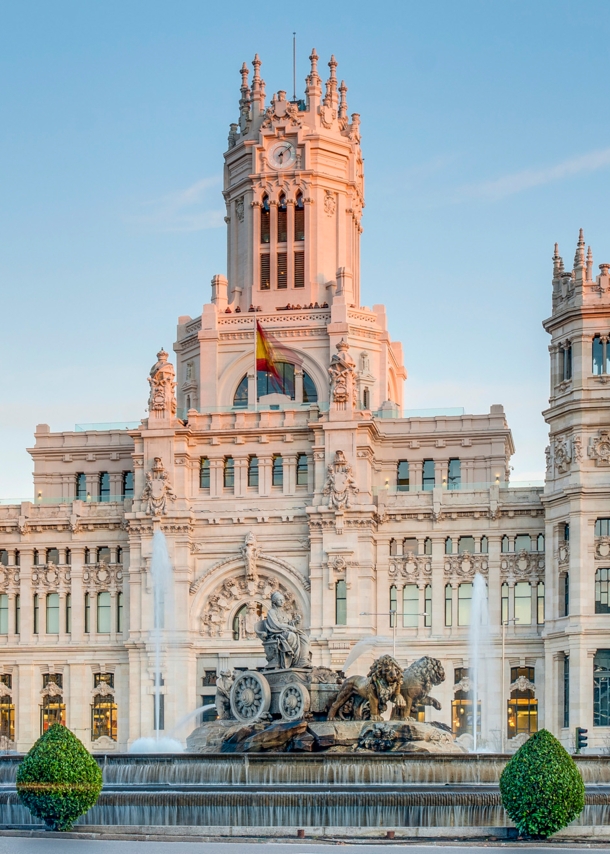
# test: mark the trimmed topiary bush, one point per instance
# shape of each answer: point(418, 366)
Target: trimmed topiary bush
point(541, 787)
point(59, 780)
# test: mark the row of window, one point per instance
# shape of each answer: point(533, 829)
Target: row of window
point(602, 592)
point(600, 358)
point(277, 471)
point(103, 486)
point(468, 544)
point(101, 554)
point(282, 383)
point(298, 280)
point(601, 688)
point(428, 476)
point(282, 220)
point(48, 607)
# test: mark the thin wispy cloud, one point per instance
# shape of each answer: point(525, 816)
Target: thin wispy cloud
point(185, 210)
point(526, 179)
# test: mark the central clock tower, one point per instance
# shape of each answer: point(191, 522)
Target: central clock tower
point(294, 191)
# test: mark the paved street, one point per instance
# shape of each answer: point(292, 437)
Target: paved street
point(22, 845)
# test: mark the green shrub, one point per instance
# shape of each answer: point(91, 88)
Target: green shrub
point(58, 780)
point(541, 787)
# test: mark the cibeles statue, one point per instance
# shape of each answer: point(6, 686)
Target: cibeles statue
point(224, 683)
point(286, 645)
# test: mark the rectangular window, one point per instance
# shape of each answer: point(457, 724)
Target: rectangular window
point(504, 617)
point(341, 603)
point(566, 363)
point(87, 613)
point(393, 606)
point(53, 614)
point(598, 356)
point(410, 606)
point(302, 470)
point(229, 473)
point(602, 584)
point(119, 612)
point(68, 613)
point(160, 720)
point(81, 486)
point(540, 603)
point(3, 557)
point(602, 527)
point(484, 545)
point(454, 474)
point(104, 486)
point(265, 272)
point(566, 690)
point(282, 223)
point(448, 605)
point(18, 614)
point(282, 271)
point(566, 594)
point(103, 613)
point(464, 604)
point(523, 542)
point(204, 473)
point(402, 476)
point(428, 606)
point(299, 221)
point(299, 269)
point(601, 688)
point(277, 471)
point(410, 546)
point(265, 221)
point(428, 475)
point(523, 603)
point(127, 484)
point(466, 544)
point(253, 472)
point(3, 614)
point(36, 615)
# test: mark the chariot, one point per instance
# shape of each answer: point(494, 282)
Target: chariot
point(289, 694)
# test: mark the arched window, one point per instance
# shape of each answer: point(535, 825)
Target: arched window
point(366, 399)
point(602, 581)
point(282, 220)
point(393, 547)
point(505, 544)
point(410, 606)
point(522, 716)
point(240, 398)
point(53, 614)
point(239, 627)
point(466, 544)
point(410, 546)
point(103, 554)
point(523, 542)
point(103, 613)
point(188, 402)
point(302, 470)
point(284, 383)
point(265, 220)
point(504, 617)
point(52, 711)
point(484, 545)
point(310, 395)
point(462, 712)
point(228, 477)
point(299, 218)
point(448, 546)
point(341, 603)
point(277, 471)
point(119, 555)
point(566, 362)
point(448, 605)
point(393, 605)
point(427, 546)
point(253, 472)
point(540, 543)
point(52, 556)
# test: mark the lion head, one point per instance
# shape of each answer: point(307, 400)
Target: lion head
point(385, 669)
point(426, 670)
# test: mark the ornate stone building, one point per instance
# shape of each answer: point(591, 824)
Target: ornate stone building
point(313, 483)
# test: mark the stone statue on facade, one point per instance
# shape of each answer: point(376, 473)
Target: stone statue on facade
point(162, 399)
point(250, 553)
point(157, 490)
point(342, 372)
point(340, 482)
point(224, 683)
point(286, 645)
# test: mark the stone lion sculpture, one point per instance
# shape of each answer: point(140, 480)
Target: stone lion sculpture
point(380, 687)
point(417, 680)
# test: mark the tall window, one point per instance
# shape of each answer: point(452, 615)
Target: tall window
point(68, 613)
point(448, 546)
point(428, 474)
point(566, 362)
point(282, 270)
point(462, 710)
point(277, 471)
point(36, 614)
point(265, 272)
point(540, 603)
point(402, 476)
point(104, 709)
point(505, 603)
point(53, 614)
point(523, 542)
point(464, 604)
point(53, 709)
point(484, 545)
point(52, 556)
point(119, 612)
point(265, 220)
point(3, 614)
point(466, 544)
point(302, 469)
point(341, 603)
point(103, 613)
point(87, 613)
point(81, 486)
point(393, 605)
point(522, 714)
point(18, 614)
point(505, 548)
point(253, 471)
point(299, 269)
point(104, 486)
point(540, 543)
point(7, 709)
point(602, 527)
point(454, 474)
point(523, 603)
point(564, 594)
point(103, 554)
point(310, 393)
point(127, 484)
point(428, 606)
point(228, 477)
point(410, 606)
point(448, 605)
point(566, 690)
point(267, 383)
point(410, 546)
point(3, 557)
point(299, 218)
point(119, 555)
point(601, 688)
point(204, 473)
point(566, 532)
point(602, 579)
point(427, 546)
point(601, 356)
point(282, 220)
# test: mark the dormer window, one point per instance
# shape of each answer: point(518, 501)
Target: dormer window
point(265, 220)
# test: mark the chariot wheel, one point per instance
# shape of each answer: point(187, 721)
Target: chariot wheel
point(294, 702)
point(250, 697)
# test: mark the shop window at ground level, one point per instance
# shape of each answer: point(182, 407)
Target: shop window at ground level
point(52, 711)
point(103, 718)
point(462, 714)
point(7, 718)
point(522, 716)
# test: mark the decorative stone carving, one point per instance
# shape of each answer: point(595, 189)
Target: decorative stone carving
point(157, 490)
point(103, 576)
point(599, 448)
point(250, 553)
point(602, 548)
point(231, 593)
point(549, 460)
point(9, 578)
point(563, 556)
point(342, 372)
point(262, 557)
point(286, 645)
point(523, 565)
point(50, 576)
point(563, 455)
point(102, 690)
point(466, 565)
point(281, 110)
point(239, 208)
point(162, 399)
point(522, 683)
point(340, 484)
point(577, 448)
point(330, 203)
point(370, 695)
point(52, 690)
point(463, 685)
point(410, 566)
point(224, 683)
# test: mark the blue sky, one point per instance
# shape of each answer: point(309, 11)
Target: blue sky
point(485, 130)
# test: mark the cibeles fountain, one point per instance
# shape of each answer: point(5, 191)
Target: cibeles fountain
point(289, 705)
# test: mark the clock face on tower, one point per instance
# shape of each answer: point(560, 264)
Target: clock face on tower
point(282, 155)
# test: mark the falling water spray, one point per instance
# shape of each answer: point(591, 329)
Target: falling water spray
point(479, 646)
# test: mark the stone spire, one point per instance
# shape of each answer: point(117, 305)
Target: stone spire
point(589, 264)
point(313, 88)
point(557, 262)
point(343, 100)
point(258, 86)
point(579, 259)
point(245, 100)
point(330, 98)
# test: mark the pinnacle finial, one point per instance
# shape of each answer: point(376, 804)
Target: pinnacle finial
point(333, 67)
point(256, 64)
point(244, 71)
point(557, 262)
point(313, 58)
point(589, 264)
point(343, 100)
point(579, 258)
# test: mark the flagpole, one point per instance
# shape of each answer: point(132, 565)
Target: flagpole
point(255, 371)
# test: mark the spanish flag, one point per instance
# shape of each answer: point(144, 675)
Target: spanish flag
point(267, 356)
